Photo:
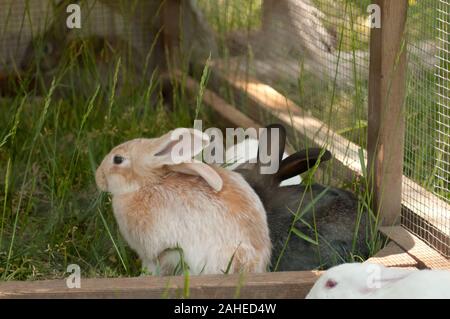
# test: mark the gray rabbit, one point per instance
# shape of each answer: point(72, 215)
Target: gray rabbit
point(324, 234)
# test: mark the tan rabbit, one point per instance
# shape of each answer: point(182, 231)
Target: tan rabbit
point(163, 199)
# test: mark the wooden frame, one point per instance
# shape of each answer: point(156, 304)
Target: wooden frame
point(408, 251)
point(266, 285)
point(386, 119)
point(416, 248)
point(386, 129)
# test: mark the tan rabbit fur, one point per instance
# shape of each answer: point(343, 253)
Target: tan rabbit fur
point(211, 213)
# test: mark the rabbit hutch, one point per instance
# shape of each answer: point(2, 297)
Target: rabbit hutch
point(367, 80)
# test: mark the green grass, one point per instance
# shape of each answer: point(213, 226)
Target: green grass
point(232, 15)
point(53, 137)
point(52, 140)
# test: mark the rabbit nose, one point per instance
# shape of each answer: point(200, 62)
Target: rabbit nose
point(100, 180)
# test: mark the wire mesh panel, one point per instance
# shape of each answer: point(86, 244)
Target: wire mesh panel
point(36, 39)
point(427, 157)
point(310, 57)
point(314, 52)
point(67, 96)
point(442, 184)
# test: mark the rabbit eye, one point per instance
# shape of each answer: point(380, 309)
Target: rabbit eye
point(118, 159)
point(330, 284)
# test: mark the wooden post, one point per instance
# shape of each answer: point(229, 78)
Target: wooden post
point(267, 11)
point(386, 126)
point(171, 11)
point(187, 36)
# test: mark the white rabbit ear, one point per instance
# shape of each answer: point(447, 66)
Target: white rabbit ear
point(389, 275)
point(200, 169)
point(180, 146)
point(380, 276)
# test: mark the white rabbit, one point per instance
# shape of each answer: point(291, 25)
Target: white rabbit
point(373, 281)
point(162, 200)
point(247, 150)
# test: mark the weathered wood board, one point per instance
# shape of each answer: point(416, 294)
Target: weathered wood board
point(419, 250)
point(266, 285)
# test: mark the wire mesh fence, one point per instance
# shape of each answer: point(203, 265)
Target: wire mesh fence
point(442, 174)
point(314, 52)
point(426, 159)
point(325, 71)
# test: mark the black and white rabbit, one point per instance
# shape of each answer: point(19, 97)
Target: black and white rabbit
point(329, 214)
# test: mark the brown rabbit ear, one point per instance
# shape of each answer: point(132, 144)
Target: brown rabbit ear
point(200, 169)
point(301, 162)
point(180, 146)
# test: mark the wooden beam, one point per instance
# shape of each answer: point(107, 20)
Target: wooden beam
point(294, 285)
point(386, 120)
point(223, 109)
point(426, 215)
point(416, 248)
point(263, 103)
point(393, 256)
point(219, 105)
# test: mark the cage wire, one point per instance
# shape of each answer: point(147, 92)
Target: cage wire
point(315, 52)
point(34, 33)
point(426, 160)
point(443, 123)
point(21, 22)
